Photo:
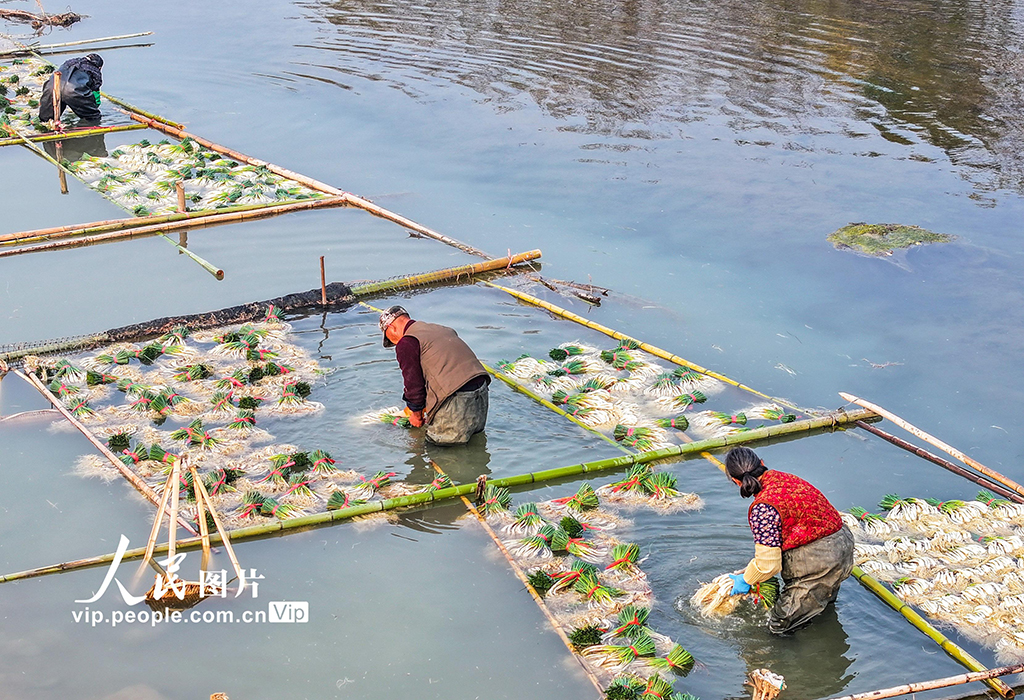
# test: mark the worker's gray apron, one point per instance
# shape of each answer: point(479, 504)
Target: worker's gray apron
point(811, 575)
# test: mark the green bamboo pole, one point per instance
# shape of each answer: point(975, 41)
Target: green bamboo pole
point(833, 421)
point(209, 267)
point(371, 288)
point(74, 134)
point(547, 404)
point(653, 350)
point(958, 654)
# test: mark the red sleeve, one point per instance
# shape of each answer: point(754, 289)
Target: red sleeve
point(407, 350)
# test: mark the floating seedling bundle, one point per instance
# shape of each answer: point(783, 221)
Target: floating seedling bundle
point(21, 86)
point(715, 599)
point(957, 561)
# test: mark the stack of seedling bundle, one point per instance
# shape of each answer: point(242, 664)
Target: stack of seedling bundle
point(592, 582)
point(626, 392)
point(207, 395)
point(21, 85)
point(958, 561)
point(142, 178)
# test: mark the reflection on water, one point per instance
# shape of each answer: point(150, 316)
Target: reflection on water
point(791, 75)
point(74, 150)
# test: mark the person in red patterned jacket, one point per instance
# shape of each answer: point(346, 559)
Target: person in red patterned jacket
point(797, 533)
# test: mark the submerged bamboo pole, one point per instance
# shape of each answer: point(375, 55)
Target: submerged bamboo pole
point(140, 485)
point(838, 420)
point(518, 571)
point(60, 232)
point(921, 686)
point(932, 440)
point(209, 267)
point(651, 349)
point(958, 654)
point(516, 386)
point(74, 134)
point(945, 464)
point(80, 42)
point(178, 222)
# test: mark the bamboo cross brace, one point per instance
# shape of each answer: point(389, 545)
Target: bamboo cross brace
point(149, 224)
point(128, 474)
point(932, 440)
point(811, 426)
point(209, 267)
point(517, 570)
point(46, 47)
point(179, 221)
point(921, 686)
point(957, 653)
point(646, 347)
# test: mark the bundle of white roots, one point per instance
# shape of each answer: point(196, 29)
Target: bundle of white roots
point(958, 562)
point(715, 599)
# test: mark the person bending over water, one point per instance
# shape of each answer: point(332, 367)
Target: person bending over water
point(797, 533)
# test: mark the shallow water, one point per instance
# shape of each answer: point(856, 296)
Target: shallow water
point(690, 156)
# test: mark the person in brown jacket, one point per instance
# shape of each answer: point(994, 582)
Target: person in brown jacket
point(446, 387)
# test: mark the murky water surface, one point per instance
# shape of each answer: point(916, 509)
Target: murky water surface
point(690, 156)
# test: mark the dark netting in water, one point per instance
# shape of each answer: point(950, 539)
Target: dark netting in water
point(339, 295)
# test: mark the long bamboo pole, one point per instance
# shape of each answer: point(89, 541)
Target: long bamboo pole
point(351, 199)
point(80, 42)
point(921, 686)
point(59, 232)
point(517, 570)
point(646, 347)
point(492, 265)
point(958, 654)
point(838, 420)
point(74, 134)
point(177, 224)
point(945, 464)
point(209, 267)
point(128, 474)
point(932, 440)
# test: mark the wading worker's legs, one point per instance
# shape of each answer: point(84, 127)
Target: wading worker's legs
point(445, 383)
point(811, 575)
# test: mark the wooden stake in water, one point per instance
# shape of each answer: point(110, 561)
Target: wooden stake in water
point(323, 283)
point(180, 189)
point(56, 101)
point(59, 150)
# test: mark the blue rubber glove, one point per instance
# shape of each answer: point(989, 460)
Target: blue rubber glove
point(739, 585)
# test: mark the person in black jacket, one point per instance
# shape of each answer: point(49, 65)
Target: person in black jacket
point(80, 83)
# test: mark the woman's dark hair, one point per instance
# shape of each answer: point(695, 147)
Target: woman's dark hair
point(742, 463)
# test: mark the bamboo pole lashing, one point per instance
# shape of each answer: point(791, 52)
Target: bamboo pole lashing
point(948, 681)
point(140, 485)
point(208, 219)
point(646, 347)
point(995, 488)
point(74, 134)
point(958, 654)
point(517, 570)
point(60, 232)
point(932, 440)
point(828, 423)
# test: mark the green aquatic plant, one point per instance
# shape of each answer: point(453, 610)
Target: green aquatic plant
point(586, 636)
point(540, 581)
point(883, 239)
point(679, 423)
